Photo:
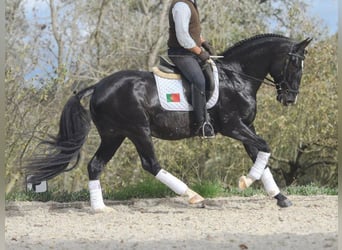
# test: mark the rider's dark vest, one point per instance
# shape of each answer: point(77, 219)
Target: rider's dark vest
point(194, 26)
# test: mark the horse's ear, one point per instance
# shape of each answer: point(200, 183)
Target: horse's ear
point(302, 45)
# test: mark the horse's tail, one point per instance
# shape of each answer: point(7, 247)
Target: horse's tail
point(74, 126)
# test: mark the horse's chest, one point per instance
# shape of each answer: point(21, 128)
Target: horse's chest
point(248, 110)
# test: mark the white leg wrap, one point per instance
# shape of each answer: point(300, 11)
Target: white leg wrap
point(259, 165)
point(96, 200)
point(172, 182)
point(269, 183)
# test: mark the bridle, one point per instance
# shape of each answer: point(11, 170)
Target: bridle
point(284, 73)
point(279, 85)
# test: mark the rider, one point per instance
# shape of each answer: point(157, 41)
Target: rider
point(185, 50)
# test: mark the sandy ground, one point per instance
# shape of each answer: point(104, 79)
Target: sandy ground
point(170, 223)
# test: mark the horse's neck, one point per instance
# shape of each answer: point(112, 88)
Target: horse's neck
point(236, 73)
point(253, 60)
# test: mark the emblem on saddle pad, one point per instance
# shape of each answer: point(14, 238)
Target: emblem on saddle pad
point(173, 95)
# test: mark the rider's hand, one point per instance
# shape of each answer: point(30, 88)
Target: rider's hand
point(204, 55)
point(207, 46)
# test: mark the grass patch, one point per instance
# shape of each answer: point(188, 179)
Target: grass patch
point(209, 189)
point(51, 195)
point(151, 188)
point(310, 190)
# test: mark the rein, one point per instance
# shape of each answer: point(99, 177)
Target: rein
point(271, 82)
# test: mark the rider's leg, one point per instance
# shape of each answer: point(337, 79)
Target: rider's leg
point(191, 70)
point(203, 126)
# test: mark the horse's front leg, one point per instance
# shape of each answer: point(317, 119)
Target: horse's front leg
point(259, 152)
point(267, 179)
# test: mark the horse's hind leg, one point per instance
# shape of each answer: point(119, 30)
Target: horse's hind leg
point(105, 152)
point(144, 146)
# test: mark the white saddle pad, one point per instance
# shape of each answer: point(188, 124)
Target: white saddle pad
point(172, 97)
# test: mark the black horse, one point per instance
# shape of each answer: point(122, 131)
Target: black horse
point(126, 105)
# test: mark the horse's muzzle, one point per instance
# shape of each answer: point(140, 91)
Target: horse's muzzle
point(287, 99)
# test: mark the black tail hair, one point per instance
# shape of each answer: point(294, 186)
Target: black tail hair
point(74, 126)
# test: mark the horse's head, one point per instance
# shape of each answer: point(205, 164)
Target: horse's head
point(287, 71)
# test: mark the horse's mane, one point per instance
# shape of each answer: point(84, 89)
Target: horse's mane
point(246, 41)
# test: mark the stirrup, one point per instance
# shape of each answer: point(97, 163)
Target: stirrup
point(206, 123)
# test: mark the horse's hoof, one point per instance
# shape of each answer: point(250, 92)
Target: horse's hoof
point(196, 199)
point(284, 203)
point(104, 209)
point(244, 182)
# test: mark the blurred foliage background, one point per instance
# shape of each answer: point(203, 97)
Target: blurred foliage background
point(56, 47)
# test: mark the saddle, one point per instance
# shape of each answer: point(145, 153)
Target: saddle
point(168, 70)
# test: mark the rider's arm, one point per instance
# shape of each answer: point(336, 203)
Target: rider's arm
point(181, 15)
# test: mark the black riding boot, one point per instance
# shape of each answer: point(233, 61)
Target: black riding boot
point(209, 76)
point(203, 126)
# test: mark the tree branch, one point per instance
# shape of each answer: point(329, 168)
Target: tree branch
point(57, 37)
